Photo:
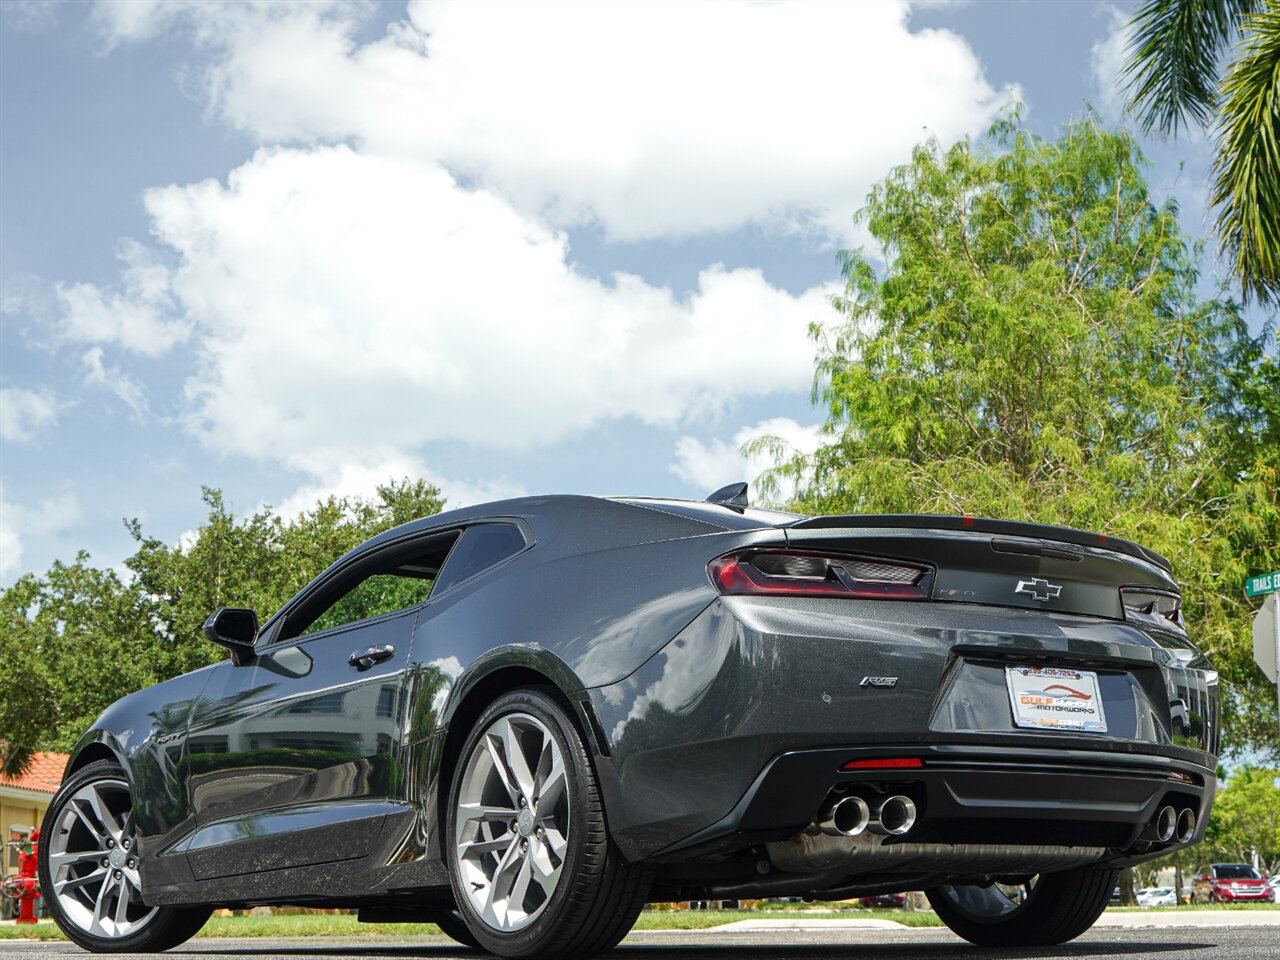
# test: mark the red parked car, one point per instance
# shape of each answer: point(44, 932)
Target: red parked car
point(1229, 883)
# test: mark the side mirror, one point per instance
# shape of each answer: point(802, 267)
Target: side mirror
point(234, 628)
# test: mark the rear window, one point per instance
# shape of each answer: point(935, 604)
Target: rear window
point(1236, 871)
point(481, 547)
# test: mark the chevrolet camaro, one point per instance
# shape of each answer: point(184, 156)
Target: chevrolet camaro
point(525, 720)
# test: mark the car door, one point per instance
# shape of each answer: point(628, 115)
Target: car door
point(295, 758)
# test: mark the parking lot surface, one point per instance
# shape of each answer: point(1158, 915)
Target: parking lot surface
point(1255, 942)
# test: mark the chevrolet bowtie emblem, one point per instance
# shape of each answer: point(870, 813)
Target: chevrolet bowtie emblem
point(1038, 589)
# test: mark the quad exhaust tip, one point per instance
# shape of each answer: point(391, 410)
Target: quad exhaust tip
point(893, 816)
point(1165, 824)
point(845, 818)
point(1186, 825)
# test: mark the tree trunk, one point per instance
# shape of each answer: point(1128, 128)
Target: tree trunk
point(1127, 898)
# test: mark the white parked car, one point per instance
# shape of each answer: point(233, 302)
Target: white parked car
point(1158, 897)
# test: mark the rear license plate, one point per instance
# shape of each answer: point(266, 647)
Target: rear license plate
point(1051, 698)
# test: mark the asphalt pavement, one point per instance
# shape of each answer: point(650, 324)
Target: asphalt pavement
point(1254, 942)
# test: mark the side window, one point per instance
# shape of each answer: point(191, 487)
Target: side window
point(403, 580)
point(481, 547)
point(372, 597)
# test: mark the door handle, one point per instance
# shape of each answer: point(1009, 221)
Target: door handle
point(364, 659)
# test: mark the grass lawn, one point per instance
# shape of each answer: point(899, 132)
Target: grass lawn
point(346, 925)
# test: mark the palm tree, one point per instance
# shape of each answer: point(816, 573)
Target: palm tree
point(1174, 79)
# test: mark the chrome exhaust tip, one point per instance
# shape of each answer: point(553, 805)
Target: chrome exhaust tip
point(893, 816)
point(845, 818)
point(1165, 824)
point(1186, 825)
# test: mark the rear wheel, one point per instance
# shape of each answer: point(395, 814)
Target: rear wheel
point(534, 871)
point(1045, 910)
point(89, 869)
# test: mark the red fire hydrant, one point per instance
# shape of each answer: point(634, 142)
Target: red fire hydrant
point(25, 887)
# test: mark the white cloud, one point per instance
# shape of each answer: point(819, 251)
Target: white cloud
point(114, 380)
point(10, 540)
point(140, 318)
point(347, 308)
point(652, 120)
point(24, 413)
point(50, 516)
point(1107, 58)
point(363, 480)
point(711, 466)
point(347, 302)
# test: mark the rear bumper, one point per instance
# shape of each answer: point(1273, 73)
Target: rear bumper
point(758, 701)
point(970, 794)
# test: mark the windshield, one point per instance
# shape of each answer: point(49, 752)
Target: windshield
point(1236, 871)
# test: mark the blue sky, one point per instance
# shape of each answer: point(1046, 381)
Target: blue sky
point(287, 250)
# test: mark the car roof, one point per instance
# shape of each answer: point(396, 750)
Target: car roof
point(564, 504)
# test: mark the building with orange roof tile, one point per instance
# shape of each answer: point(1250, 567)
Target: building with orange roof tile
point(24, 799)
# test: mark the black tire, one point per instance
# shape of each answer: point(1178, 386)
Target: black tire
point(598, 894)
point(167, 927)
point(453, 926)
point(1059, 907)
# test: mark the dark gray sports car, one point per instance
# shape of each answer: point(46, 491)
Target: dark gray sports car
point(524, 720)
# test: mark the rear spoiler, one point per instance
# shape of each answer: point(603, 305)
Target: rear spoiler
point(967, 522)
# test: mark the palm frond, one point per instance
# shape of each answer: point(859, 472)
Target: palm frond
point(1247, 165)
point(1172, 71)
point(14, 759)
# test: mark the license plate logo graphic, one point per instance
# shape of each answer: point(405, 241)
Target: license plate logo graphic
point(1051, 698)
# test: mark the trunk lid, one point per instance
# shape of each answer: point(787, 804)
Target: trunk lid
point(998, 562)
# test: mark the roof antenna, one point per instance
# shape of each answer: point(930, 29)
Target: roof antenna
point(734, 496)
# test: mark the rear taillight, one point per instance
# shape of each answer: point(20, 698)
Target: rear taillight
point(1153, 606)
point(801, 573)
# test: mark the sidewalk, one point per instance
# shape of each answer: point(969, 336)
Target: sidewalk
point(1189, 918)
point(799, 924)
point(1156, 919)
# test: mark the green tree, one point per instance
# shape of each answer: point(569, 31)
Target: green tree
point(1035, 348)
point(26, 704)
point(1176, 77)
point(79, 637)
point(1246, 818)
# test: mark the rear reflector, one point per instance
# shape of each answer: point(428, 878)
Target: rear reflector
point(801, 573)
point(884, 763)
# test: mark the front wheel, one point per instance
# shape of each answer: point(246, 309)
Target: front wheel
point(453, 926)
point(89, 869)
point(534, 871)
point(1045, 910)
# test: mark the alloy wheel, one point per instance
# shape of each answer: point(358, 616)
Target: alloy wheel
point(991, 901)
point(93, 862)
point(512, 821)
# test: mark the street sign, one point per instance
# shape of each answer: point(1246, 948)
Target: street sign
point(1266, 641)
point(1264, 638)
point(1262, 583)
